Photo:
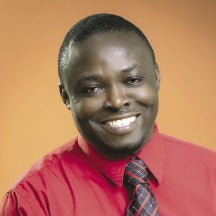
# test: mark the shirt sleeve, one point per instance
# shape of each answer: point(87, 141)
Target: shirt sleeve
point(9, 205)
point(15, 204)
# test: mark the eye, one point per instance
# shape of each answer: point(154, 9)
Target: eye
point(93, 89)
point(134, 81)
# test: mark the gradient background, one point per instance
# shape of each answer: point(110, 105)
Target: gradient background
point(33, 120)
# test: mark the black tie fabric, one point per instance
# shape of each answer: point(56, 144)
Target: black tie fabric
point(136, 182)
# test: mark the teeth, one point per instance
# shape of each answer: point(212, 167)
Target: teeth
point(121, 123)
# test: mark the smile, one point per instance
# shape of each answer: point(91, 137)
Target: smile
point(121, 122)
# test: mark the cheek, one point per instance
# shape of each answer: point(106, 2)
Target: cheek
point(147, 96)
point(86, 108)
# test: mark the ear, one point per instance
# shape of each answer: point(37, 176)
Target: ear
point(157, 73)
point(64, 95)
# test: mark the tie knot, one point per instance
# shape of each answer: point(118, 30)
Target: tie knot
point(135, 173)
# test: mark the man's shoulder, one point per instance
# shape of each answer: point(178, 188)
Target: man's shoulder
point(50, 164)
point(179, 146)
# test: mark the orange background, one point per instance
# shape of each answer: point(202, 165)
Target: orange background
point(33, 120)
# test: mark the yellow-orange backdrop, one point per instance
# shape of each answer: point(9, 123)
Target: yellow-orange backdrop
point(33, 119)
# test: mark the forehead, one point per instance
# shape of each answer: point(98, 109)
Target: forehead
point(111, 41)
point(120, 49)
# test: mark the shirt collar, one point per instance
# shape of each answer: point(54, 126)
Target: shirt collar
point(152, 154)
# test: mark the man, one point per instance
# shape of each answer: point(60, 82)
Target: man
point(120, 164)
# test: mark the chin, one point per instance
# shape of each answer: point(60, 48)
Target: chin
point(120, 151)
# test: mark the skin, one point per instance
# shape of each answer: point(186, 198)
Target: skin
point(108, 77)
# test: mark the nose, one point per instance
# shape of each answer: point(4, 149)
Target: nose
point(116, 98)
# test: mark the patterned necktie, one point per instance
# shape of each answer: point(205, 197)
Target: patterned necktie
point(136, 182)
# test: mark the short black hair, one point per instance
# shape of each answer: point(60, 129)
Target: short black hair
point(94, 24)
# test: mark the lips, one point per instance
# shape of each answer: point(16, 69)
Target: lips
point(120, 125)
point(121, 122)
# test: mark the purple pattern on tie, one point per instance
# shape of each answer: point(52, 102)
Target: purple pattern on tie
point(136, 181)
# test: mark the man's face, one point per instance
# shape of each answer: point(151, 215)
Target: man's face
point(112, 84)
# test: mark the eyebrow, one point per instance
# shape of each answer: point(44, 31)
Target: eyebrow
point(88, 78)
point(94, 77)
point(129, 69)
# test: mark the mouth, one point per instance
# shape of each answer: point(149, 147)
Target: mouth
point(120, 125)
point(121, 122)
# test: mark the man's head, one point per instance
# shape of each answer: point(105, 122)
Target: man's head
point(95, 24)
point(110, 81)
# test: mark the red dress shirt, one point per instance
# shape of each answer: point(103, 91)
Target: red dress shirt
point(76, 180)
